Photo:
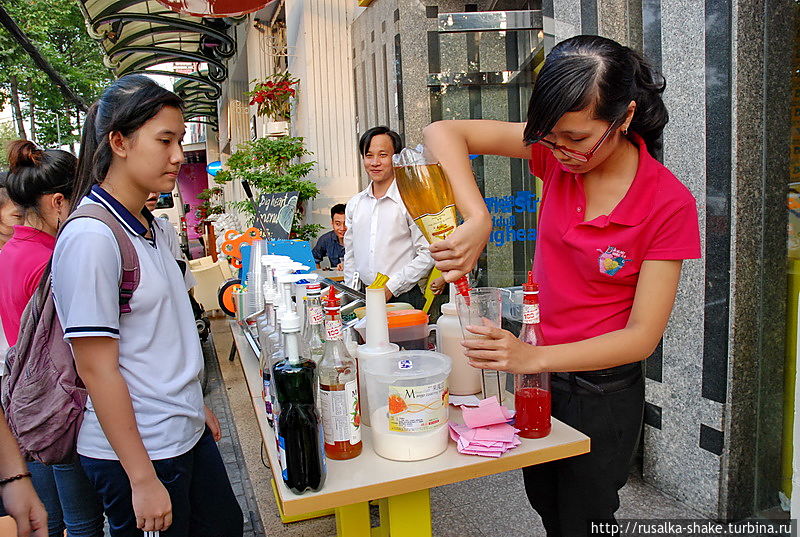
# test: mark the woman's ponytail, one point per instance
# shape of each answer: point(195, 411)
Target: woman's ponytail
point(124, 107)
point(651, 114)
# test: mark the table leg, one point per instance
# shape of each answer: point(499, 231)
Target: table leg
point(409, 514)
point(353, 520)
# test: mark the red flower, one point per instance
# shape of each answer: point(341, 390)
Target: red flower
point(270, 84)
point(259, 98)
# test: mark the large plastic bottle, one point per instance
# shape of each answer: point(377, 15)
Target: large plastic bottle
point(532, 391)
point(299, 429)
point(376, 344)
point(464, 379)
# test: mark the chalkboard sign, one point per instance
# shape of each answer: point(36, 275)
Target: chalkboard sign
point(275, 213)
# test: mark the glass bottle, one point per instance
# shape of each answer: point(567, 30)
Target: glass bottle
point(314, 327)
point(338, 385)
point(532, 391)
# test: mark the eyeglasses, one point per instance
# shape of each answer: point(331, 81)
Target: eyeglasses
point(578, 155)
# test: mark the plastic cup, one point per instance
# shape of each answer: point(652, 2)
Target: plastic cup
point(483, 307)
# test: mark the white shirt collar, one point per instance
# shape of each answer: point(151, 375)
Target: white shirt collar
point(393, 193)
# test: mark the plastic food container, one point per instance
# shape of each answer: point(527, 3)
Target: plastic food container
point(408, 328)
point(408, 404)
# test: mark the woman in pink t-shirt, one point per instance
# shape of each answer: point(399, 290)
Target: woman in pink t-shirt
point(40, 184)
point(614, 227)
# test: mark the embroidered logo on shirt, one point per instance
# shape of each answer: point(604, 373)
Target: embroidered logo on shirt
point(611, 261)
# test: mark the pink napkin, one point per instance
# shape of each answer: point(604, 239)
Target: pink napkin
point(487, 432)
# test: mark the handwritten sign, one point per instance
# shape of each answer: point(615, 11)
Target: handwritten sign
point(275, 212)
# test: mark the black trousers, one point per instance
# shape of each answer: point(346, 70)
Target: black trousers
point(413, 296)
point(571, 492)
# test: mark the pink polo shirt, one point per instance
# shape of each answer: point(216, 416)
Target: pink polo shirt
point(22, 262)
point(588, 271)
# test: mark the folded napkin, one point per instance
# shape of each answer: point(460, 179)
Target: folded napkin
point(486, 431)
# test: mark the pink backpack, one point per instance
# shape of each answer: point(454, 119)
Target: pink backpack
point(42, 395)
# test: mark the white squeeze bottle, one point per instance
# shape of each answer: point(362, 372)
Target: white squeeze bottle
point(464, 379)
point(377, 340)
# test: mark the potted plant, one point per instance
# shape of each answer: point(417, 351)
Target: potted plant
point(273, 96)
point(212, 204)
point(273, 165)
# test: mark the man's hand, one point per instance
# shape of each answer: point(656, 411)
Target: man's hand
point(22, 503)
point(340, 266)
point(388, 294)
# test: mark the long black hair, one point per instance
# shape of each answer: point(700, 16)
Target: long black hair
point(36, 172)
point(589, 70)
point(126, 105)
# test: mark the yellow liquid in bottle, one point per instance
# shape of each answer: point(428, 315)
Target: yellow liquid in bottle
point(428, 198)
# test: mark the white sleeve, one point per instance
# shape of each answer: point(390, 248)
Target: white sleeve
point(86, 272)
point(419, 268)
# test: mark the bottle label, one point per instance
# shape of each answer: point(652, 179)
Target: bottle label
point(267, 398)
point(333, 330)
point(530, 313)
point(282, 458)
point(437, 227)
point(341, 414)
point(315, 315)
point(415, 409)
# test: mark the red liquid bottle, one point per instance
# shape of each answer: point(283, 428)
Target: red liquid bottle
point(532, 391)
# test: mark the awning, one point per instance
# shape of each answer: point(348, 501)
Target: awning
point(142, 36)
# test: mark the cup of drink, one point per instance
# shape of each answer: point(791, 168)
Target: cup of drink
point(483, 307)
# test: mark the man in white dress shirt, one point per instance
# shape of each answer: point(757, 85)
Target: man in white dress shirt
point(381, 236)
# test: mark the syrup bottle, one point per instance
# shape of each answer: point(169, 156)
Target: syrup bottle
point(532, 391)
point(338, 389)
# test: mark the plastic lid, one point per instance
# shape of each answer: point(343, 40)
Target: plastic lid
point(449, 308)
point(530, 286)
point(313, 288)
point(407, 365)
point(403, 318)
point(331, 300)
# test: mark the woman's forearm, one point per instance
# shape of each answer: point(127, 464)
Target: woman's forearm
point(11, 462)
point(601, 352)
point(97, 363)
point(447, 141)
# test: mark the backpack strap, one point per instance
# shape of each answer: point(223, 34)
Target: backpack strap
point(129, 279)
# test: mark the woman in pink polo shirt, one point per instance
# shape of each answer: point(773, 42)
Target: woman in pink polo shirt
point(40, 185)
point(614, 227)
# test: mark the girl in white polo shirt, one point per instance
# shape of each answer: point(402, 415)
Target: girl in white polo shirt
point(147, 440)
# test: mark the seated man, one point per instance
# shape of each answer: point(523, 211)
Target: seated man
point(331, 244)
point(381, 236)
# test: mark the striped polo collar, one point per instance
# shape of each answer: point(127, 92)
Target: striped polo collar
point(130, 222)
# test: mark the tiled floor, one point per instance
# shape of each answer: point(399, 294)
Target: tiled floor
point(492, 506)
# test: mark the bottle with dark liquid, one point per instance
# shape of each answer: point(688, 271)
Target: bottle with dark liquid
point(299, 442)
point(338, 389)
point(532, 391)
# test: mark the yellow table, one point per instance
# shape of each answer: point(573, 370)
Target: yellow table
point(402, 488)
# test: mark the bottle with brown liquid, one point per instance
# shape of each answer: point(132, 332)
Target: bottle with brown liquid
point(338, 389)
point(429, 200)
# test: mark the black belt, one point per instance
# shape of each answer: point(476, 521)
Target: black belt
point(603, 381)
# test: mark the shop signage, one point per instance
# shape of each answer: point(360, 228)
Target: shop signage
point(506, 214)
point(275, 212)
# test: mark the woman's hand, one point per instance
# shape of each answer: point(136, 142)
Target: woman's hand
point(501, 350)
point(213, 424)
point(21, 502)
point(151, 505)
point(458, 254)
